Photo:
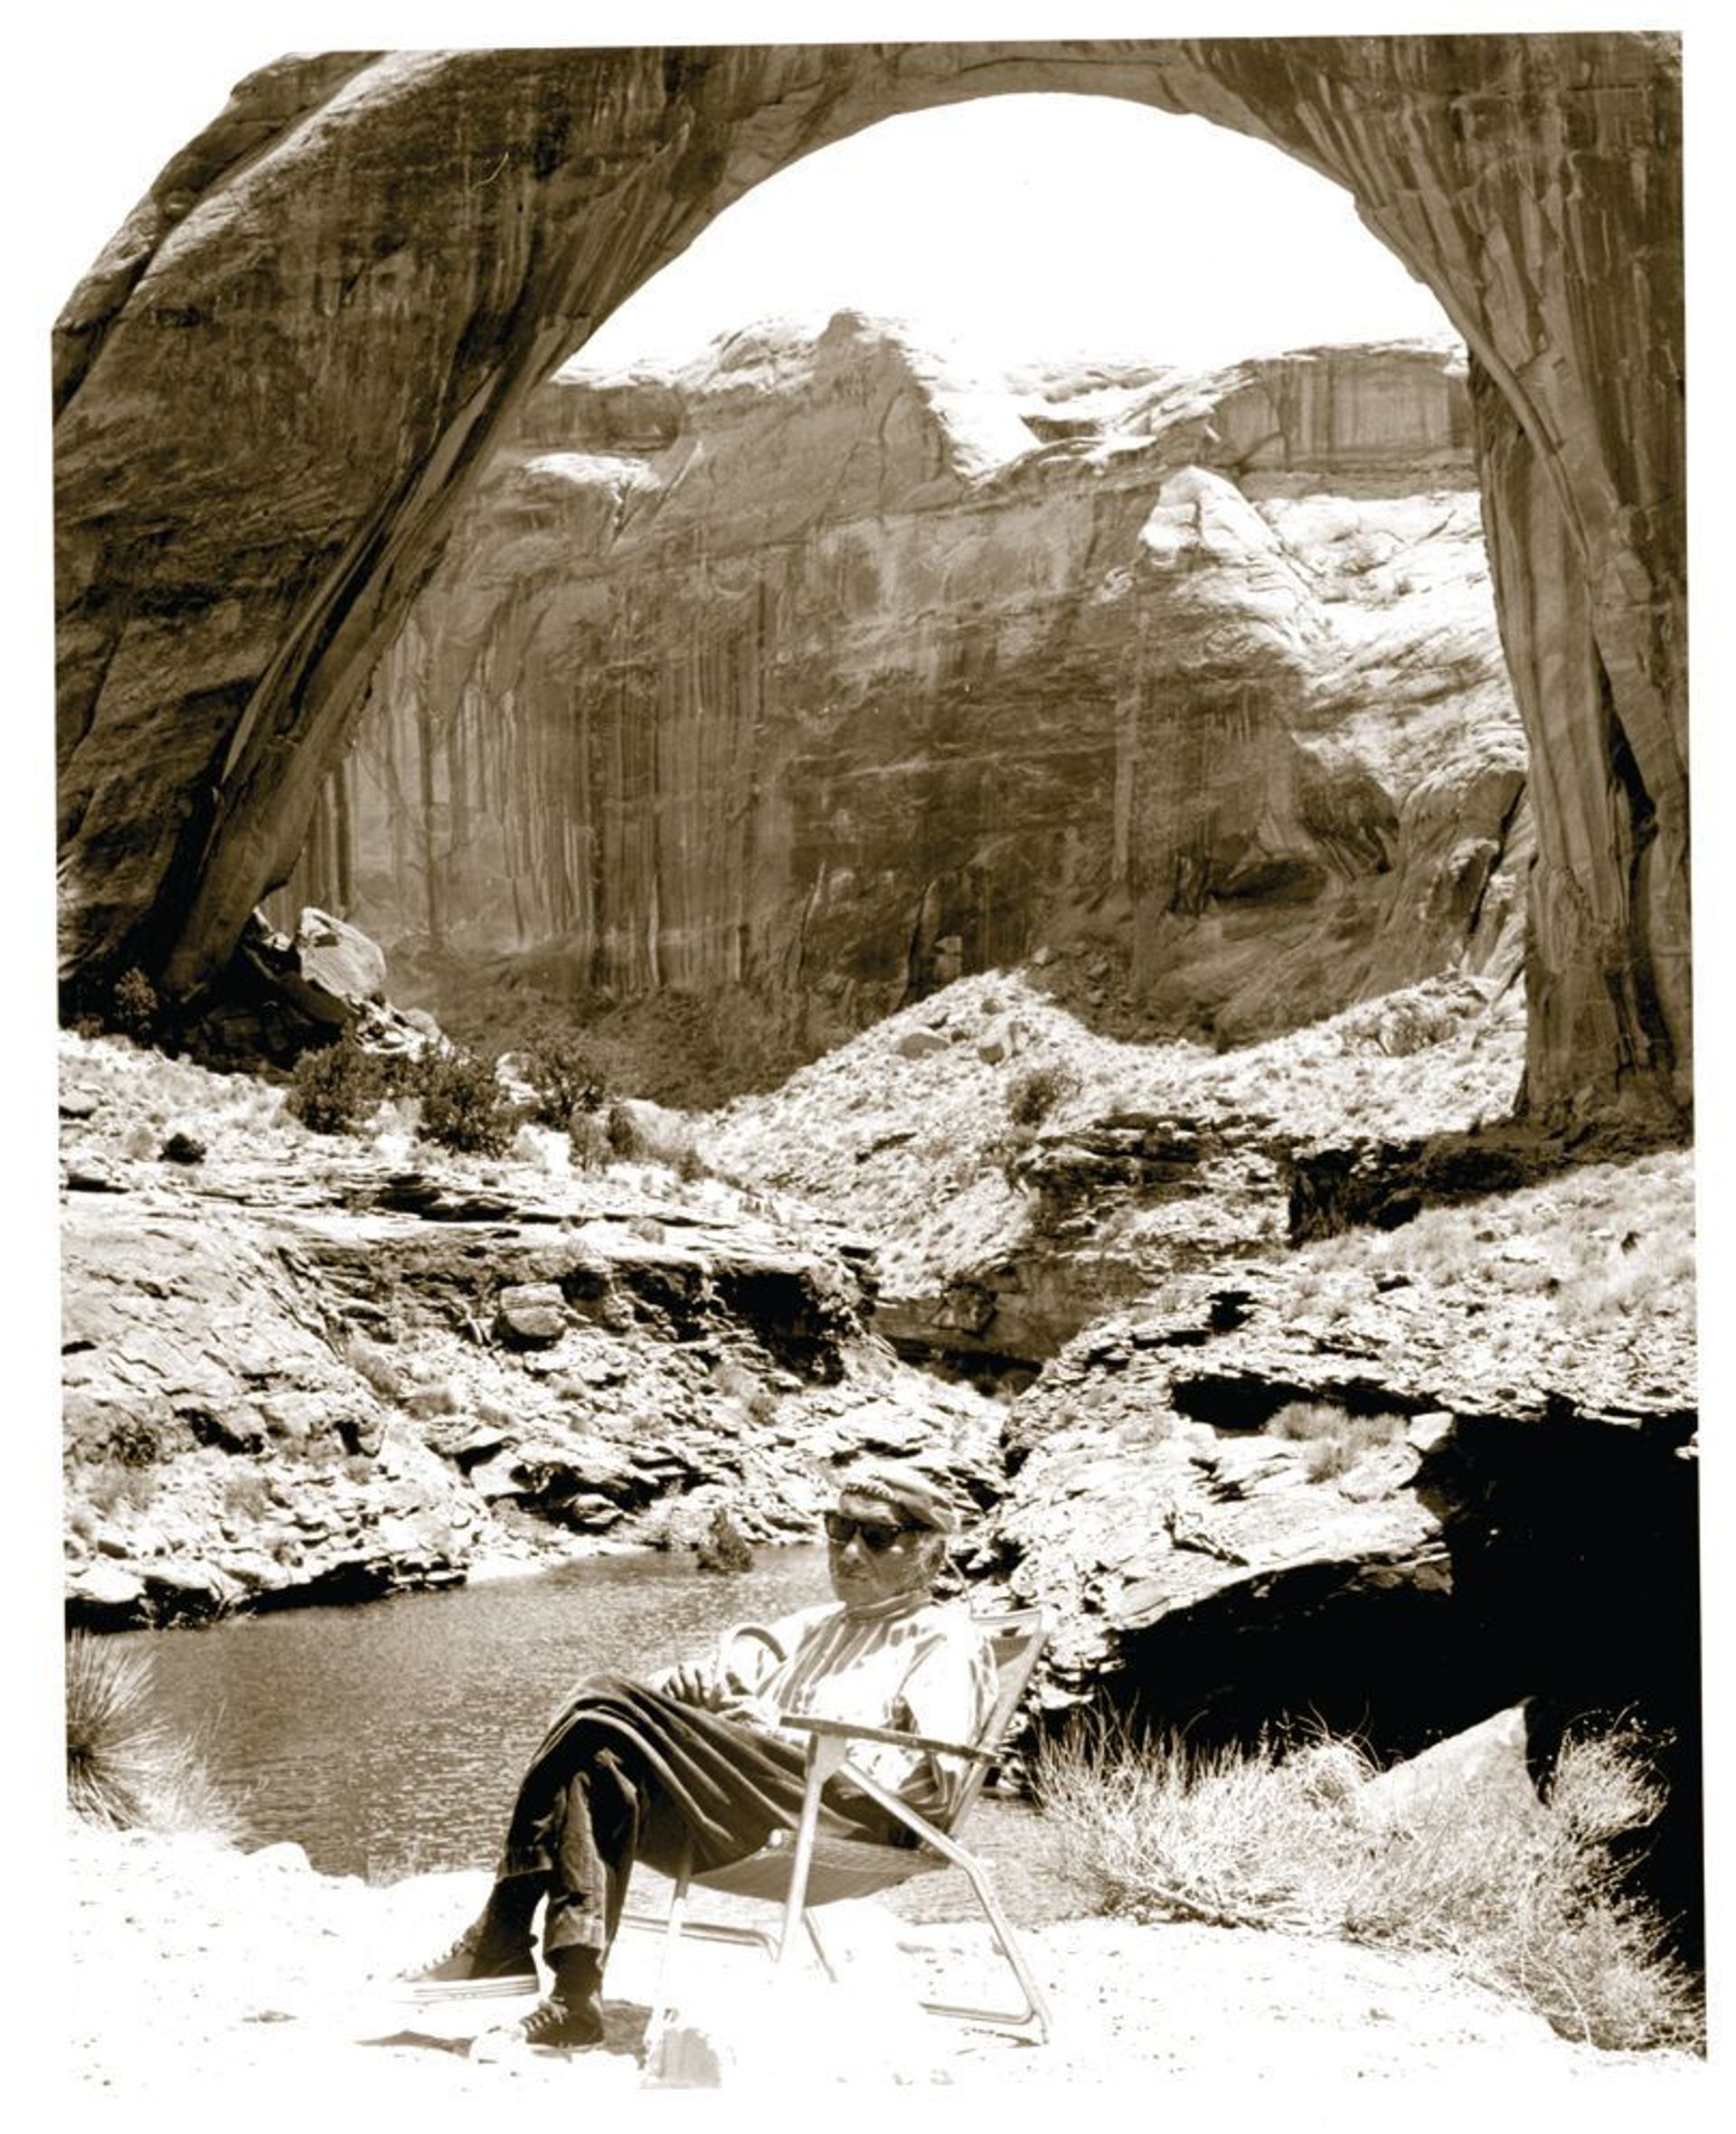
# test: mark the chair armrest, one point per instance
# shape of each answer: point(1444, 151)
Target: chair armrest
point(850, 1731)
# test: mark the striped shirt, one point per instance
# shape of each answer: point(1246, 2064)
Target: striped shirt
point(918, 1666)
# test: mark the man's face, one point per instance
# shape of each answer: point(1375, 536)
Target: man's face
point(882, 1558)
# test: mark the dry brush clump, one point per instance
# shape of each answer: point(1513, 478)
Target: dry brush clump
point(1521, 1895)
point(1606, 1243)
point(1336, 1440)
point(125, 1769)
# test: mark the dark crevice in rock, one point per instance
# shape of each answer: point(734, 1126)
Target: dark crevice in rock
point(1378, 1651)
point(1382, 1185)
point(1642, 815)
point(1248, 1400)
point(1575, 1554)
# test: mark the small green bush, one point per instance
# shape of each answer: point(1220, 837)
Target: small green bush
point(622, 1128)
point(563, 1072)
point(133, 1005)
point(588, 1139)
point(1334, 1439)
point(245, 1493)
point(334, 1089)
point(1032, 1095)
point(134, 1442)
point(463, 1107)
point(109, 1485)
point(373, 1364)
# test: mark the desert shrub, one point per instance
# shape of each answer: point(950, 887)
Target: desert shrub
point(245, 1493)
point(1410, 1026)
point(723, 1548)
point(134, 1442)
point(1631, 1280)
point(621, 1128)
point(125, 1768)
point(1522, 1894)
point(587, 1137)
point(372, 1363)
point(562, 1070)
point(1034, 1094)
point(1327, 1457)
point(1306, 1418)
point(333, 1088)
point(1336, 1440)
point(463, 1107)
point(111, 1485)
point(133, 1005)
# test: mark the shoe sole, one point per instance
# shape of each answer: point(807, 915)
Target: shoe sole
point(432, 1991)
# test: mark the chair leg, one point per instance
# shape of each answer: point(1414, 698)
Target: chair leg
point(823, 1757)
point(660, 2003)
point(820, 1949)
point(1034, 2014)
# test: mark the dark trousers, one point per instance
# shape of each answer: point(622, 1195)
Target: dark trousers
point(627, 1773)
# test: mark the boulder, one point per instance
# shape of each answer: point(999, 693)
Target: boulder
point(104, 1588)
point(340, 958)
point(921, 1045)
point(532, 1315)
point(1492, 1756)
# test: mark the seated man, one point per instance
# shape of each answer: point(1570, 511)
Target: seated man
point(696, 1758)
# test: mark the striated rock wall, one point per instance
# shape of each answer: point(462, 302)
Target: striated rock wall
point(820, 669)
point(279, 382)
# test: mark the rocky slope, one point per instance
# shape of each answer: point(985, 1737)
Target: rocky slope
point(301, 1369)
point(1394, 1478)
point(1387, 1481)
point(822, 670)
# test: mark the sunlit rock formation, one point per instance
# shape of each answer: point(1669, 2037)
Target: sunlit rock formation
point(821, 668)
point(278, 383)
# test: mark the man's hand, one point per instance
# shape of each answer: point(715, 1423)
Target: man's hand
point(691, 1683)
point(751, 1711)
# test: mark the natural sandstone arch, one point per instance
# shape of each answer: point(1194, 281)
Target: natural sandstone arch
point(277, 384)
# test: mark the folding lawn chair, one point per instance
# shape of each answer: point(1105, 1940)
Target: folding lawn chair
point(802, 1871)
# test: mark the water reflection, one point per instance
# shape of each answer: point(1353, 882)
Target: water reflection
point(387, 1738)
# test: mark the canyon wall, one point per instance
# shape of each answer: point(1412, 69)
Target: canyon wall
point(822, 669)
point(278, 386)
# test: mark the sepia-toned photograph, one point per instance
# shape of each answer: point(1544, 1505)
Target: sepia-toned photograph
point(877, 1195)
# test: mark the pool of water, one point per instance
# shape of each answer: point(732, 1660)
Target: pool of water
point(387, 1738)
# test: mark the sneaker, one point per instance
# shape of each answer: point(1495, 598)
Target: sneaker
point(566, 2025)
point(468, 1967)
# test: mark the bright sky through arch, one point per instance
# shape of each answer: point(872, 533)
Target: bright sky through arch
point(1037, 227)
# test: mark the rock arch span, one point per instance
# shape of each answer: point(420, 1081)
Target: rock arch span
point(276, 386)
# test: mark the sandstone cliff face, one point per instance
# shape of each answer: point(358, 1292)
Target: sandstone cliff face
point(819, 669)
point(280, 383)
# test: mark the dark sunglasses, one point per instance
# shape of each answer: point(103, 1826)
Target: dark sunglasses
point(874, 1535)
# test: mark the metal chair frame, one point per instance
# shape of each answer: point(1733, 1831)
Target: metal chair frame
point(811, 1871)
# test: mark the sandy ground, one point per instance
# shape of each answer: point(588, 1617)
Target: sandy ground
point(204, 1978)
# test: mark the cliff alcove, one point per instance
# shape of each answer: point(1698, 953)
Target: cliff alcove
point(285, 378)
point(819, 668)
